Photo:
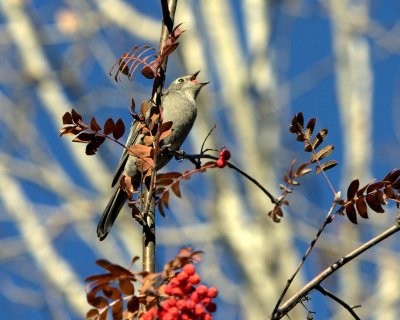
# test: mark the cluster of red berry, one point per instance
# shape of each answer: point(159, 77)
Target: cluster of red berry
point(224, 156)
point(185, 302)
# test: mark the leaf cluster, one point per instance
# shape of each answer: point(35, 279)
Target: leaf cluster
point(91, 134)
point(143, 56)
point(373, 196)
point(304, 133)
point(116, 289)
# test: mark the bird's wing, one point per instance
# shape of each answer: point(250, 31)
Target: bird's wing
point(132, 139)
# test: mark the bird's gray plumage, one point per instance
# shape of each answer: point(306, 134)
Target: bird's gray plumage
point(179, 106)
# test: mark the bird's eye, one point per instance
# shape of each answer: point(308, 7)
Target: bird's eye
point(180, 80)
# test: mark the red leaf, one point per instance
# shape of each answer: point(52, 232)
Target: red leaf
point(392, 175)
point(351, 213)
point(94, 125)
point(76, 117)
point(126, 287)
point(84, 137)
point(109, 126)
point(67, 118)
point(176, 190)
point(119, 129)
point(147, 72)
point(353, 188)
point(374, 203)
point(362, 208)
point(133, 304)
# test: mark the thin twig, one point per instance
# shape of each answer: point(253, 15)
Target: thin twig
point(197, 157)
point(327, 220)
point(296, 298)
point(338, 300)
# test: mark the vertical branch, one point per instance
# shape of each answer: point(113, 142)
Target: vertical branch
point(149, 230)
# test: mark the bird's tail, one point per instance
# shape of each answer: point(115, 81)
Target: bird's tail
point(111, 212)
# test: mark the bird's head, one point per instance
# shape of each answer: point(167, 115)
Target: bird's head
point(188, 85)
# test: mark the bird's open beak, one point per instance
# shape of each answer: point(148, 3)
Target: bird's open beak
point(193, 79)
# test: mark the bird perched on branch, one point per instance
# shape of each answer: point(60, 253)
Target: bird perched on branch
point(179, 106)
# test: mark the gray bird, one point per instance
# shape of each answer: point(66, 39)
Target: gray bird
point(179, 106)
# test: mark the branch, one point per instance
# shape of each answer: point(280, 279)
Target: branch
point(313, 284)
point(338, 300)
point(149, 236)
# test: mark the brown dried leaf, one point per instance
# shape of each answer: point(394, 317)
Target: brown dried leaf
point(374, 203)
point(145, 165)
point(84, 137)
point(76, 117)
point(352, 189)
point(303, 169)
point(165, 199)
point(133, 304)
point(111, 292)
point(377, 185)
point(351, 213)
point(92, 314)
point(392, 175)
point(67, 118)
point(176, 190)
point(109, 126)
point(362, 208)
point(161, 208)
point(326, 166)
point(319, 138)
point(389, 192)
point(119, 129)
point(94, 125)
point(147, 72)
point(361, 191)
point(117, 310)
point(140, 151)
point(323, 153)
point(97, 302)
point(126, 286)
point(297, 123)
point(310, 128)
point(396, 184)
point(380, 196)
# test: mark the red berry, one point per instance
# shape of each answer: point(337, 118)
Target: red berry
point(221, 163)
point(190, 304)
point(189, 269)
point(225, 154)
point(195, 297)
point(202, 290)
point(212, 307)
point(208, 316)
point(212, 292)
point(182, 276)
point(199, 310)
point(181, 304)
point(177, 291)
point(194, 279)
point(174, 282)
point(206, 301)
point(187, 288)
